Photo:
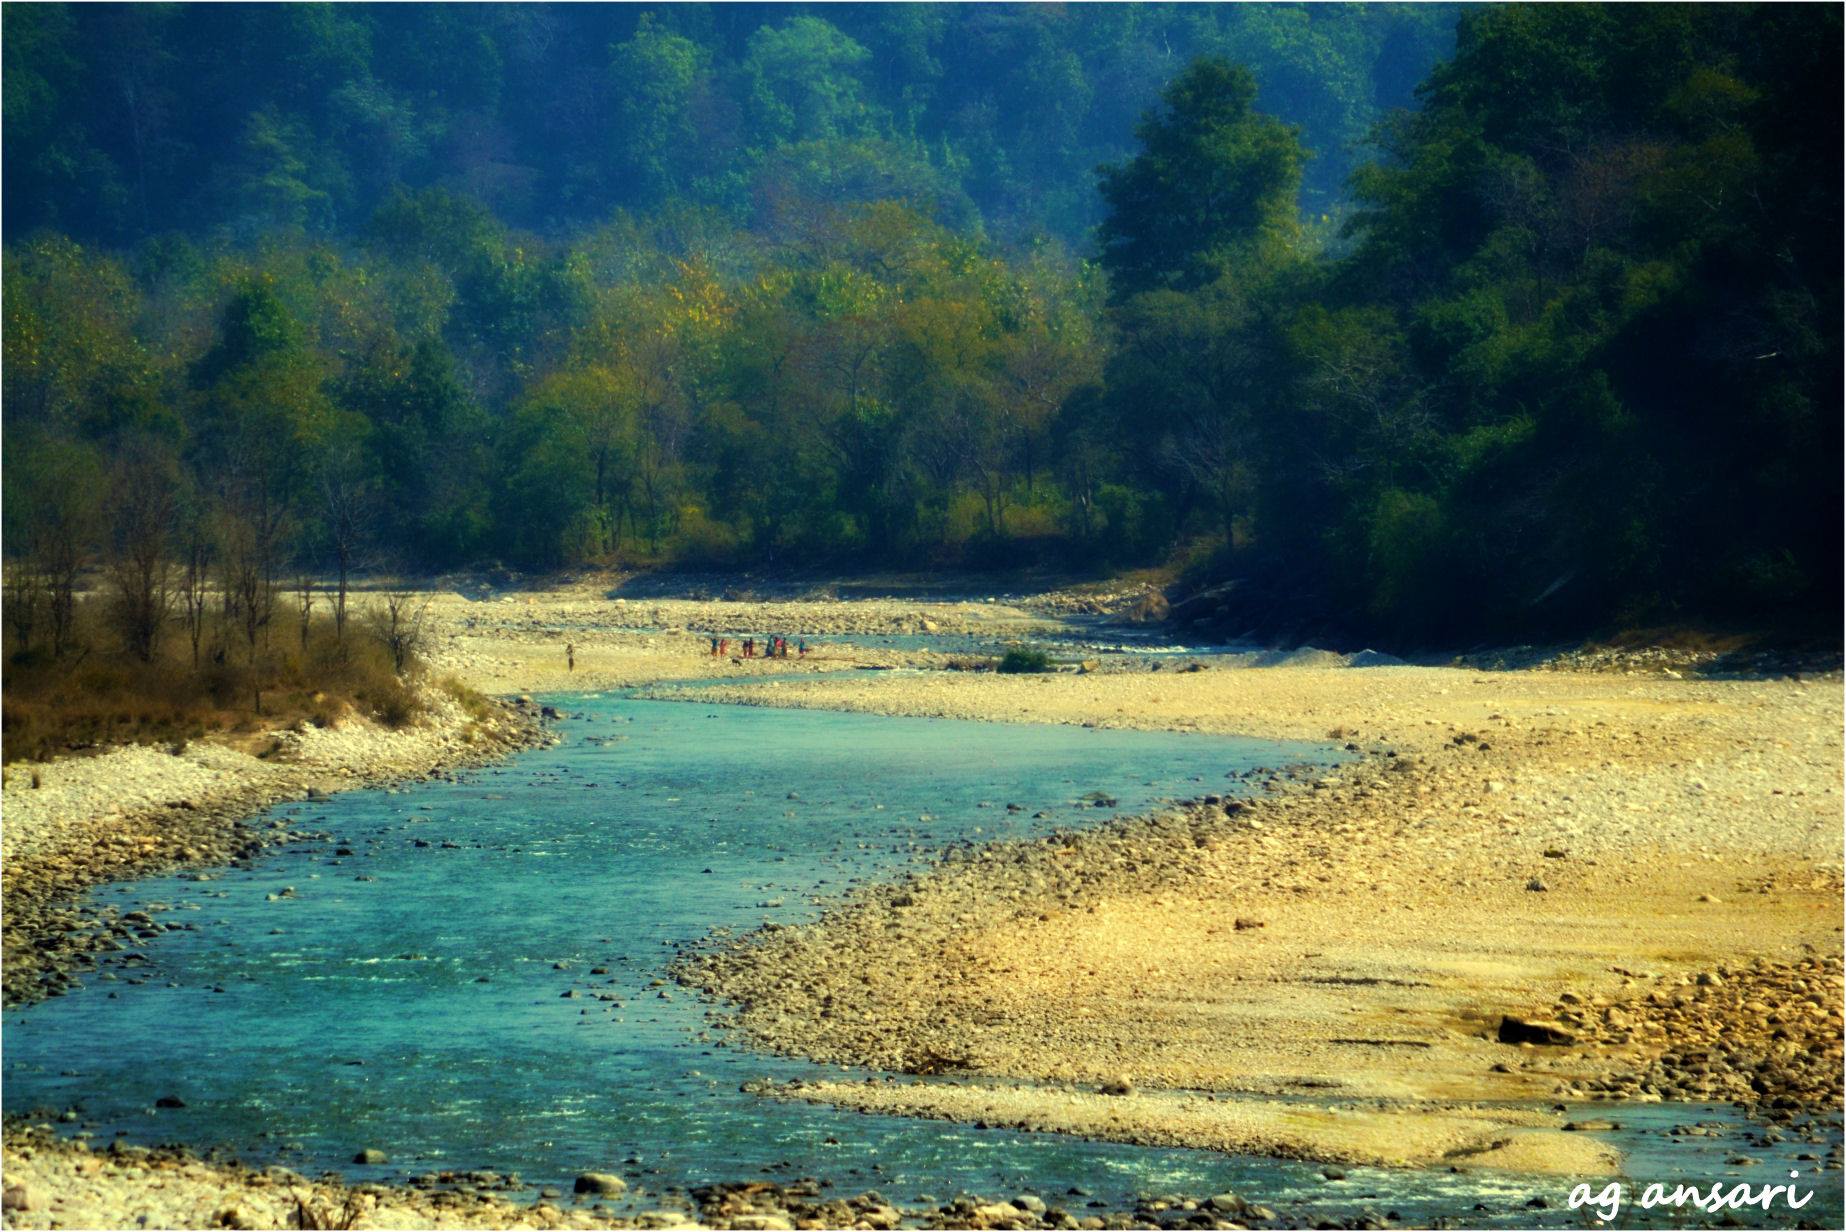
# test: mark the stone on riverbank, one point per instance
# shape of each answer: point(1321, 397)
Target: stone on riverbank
point(606, 1184)
point(1528, 1031)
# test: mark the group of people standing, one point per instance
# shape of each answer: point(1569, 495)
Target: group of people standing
point(772, 647)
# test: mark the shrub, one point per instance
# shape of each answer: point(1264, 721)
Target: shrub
point(1022, 659)
point(99, 695)
point(474, 703)
point(394, 704)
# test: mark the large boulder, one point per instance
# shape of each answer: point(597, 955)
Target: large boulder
point(1533, 1031)
point(604, 1183)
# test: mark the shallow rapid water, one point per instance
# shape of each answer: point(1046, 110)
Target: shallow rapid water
point(409, 996)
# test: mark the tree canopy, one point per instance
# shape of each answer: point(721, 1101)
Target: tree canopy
point(443, 286)
point(126, 121)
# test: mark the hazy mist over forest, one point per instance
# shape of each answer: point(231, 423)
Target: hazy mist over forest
point(1421, 322)
point(125, 121)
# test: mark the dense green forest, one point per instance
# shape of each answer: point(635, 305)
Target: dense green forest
point(1418, 323)
point(127, 121)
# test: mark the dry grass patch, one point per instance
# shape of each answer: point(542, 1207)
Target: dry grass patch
point(97, 695)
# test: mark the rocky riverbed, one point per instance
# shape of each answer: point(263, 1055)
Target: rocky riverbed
point(57, 1183)
point(1643, 870)
point(1651, 866)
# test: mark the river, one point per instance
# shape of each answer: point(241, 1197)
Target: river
point(469, 973)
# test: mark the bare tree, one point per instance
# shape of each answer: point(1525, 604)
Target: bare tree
point(63, 552)
point(304, 605)
point(195, 584)
point(252, 523)
point(396, 621)
point(249, 533)
point(249, 582)
point(347, 501)
point(665, 420)
point(25, 601)
point(142, 505)
point(58, 492)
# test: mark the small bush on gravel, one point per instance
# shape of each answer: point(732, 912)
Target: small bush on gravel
point(1022, 659)
point(393, 702)
point(474, 703)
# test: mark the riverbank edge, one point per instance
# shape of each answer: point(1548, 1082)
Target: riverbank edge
point(124, 1183)
point(739, 977)
point(52, 934)
point(747, 979)
point(219, 1192)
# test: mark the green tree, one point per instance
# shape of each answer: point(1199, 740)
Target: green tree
point(73, 360)
point(1215, 180)
point(801, 83)
point(659, 81)
point(596, 410)
point(1576, 237)
point(261, 410)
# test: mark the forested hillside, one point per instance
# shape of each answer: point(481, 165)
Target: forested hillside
point(125, 121)
point(1547, 341)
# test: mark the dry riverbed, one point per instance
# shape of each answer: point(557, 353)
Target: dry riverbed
point(517, 642)
point(1650, 866)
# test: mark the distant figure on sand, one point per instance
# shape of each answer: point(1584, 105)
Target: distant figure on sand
point(714, 647)
point(749, 648)
point(570, 656)
point(801, 649)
